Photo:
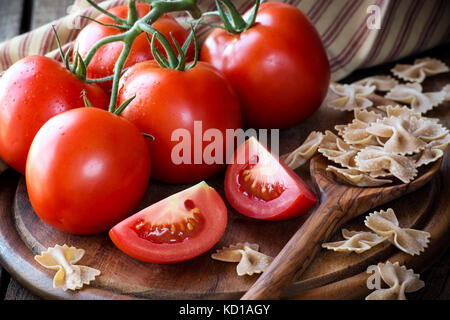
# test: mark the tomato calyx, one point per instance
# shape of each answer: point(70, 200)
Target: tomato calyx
point(175, 60)
point(133, 26)
point(233, 22)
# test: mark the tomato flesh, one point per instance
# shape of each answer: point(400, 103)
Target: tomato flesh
point(252, 183)
point(262, 187)
point(177, 228)
point(186, 224)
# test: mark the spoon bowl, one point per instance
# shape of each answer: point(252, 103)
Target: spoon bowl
point(339, 203)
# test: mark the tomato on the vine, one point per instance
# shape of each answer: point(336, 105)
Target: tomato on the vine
point(33, 90)
point(168, 100)
point(177, 228)
point(259, 185)
point(102, 64)
point(87, 169)
point(278, 66)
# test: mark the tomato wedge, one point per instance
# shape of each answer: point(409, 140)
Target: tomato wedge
point(259, 185)
point(177, 228)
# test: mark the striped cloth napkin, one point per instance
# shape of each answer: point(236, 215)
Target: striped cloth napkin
point(356, 33)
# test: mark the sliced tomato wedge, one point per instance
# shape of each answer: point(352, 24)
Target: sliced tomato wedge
point(177, 228)
point(259, 185)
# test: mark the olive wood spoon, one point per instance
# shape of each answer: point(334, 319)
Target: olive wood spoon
point(339, 203)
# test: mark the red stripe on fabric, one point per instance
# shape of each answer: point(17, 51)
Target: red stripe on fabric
point(4, 58)
point(442, 9)
point(323, 9)
point(21, 45)
point(339, 23)
point(428, 26)
point(338, 61)
point(338, 18)
point(353, 47)
point(7, 56)
point(44, 46)
point(394, 5)
point(405, 30)
point(341, 26)
point(25, 45)
point(315, 8)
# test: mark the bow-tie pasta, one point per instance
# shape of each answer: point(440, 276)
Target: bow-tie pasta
point(68, 275)
point(303, 153)
point(399, 279)
point(349, 97)
point(250, 260)
point(402, 112)
point(446, 91)
point(419, 70)
point(381, 83)
point(412, 94)
point(335, 149)
point(397, 131)
point(373, 159)
point(385, 224)
point(357, 178)
point(355, 241)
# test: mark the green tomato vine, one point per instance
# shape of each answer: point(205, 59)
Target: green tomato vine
point(133, 26)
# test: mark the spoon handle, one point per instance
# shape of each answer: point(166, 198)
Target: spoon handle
point(299, 251)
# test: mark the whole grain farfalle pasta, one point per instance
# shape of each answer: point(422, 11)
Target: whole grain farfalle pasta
point(446, 90)
point(357, 178)
point(411, 93)
point(381, 82)
point(397, 131)
point(347, 97)
point(399, 279)
point(355, 241)
point(250, 260)
point(336, 150)
point(421, 68)
point(303, 153)
point(374, 159)
point(385, 224)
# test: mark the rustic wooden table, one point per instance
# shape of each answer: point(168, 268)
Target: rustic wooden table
point(23, 15)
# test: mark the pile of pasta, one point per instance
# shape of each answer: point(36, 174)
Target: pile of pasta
point(386, 142)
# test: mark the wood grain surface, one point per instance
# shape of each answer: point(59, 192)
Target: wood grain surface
point(436, 278)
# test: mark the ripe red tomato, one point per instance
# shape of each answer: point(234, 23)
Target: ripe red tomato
point(178, 228)
point(87, 170)
point(102, 64)
point(32, 91)
point(167, 100)
point(278, 67)
point(260, 186)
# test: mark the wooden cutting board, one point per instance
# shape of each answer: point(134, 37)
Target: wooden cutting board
point(331, 275)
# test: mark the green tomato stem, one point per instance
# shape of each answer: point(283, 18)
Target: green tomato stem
point(117, 73)
point(139, 25)
point(133, 15)
point(109, 14)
